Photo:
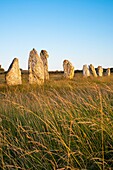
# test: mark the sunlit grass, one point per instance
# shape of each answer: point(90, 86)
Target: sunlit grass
point(65, 124)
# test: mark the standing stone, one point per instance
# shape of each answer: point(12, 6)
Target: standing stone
point(44, 56)
point(35, 68)
point(68, 69)
point(92, 70)
point(100, 71)
point(13, 75)
point(86, 72)
point(108, 72)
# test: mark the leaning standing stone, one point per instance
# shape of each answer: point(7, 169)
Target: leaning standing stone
point(13, 75)
point(92, 70)
point(35, 68)
point(86, 72)
point(68, 69)
point(44, 56)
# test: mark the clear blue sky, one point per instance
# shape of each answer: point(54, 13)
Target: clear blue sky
point(78, 30)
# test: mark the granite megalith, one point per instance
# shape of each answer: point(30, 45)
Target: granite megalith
point(86, 72)
point(13, 75)
point(68, 69)
point(100, 71)
point(92, 70)
point(44, 56)
point(108, 72)
point(35, 68)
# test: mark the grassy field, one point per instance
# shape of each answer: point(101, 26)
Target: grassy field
point(62, 125)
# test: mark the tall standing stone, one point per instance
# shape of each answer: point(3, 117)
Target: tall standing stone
point(68, 69)
point(92, 70)
point(44, 56)
point(100, 71)
point(13, 75)
point(108, 72)
point(35, 68)
point(86, 72)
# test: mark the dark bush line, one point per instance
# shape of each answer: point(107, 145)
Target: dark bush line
point(54, 72)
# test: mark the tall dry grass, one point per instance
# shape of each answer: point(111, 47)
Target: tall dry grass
point(61, 125)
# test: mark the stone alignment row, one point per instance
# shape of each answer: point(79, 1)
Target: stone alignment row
point(88, 71)
point(38, 69)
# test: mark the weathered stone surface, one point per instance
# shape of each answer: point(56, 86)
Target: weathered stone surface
point(92, 70)
point(35, 68)
point(68, 69)
point(13, 75)
point(108, 72)
point(44, 56)
point(86, 72)
point(100, 71)
point(1, 134)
